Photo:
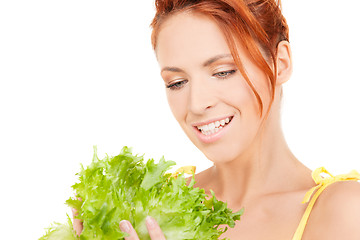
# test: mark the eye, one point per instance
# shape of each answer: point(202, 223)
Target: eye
point(224, 74)
point(177, 85)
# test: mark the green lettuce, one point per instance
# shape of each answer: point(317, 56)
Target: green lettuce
point(125, 188)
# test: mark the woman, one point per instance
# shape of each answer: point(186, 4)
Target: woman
point(223, 63)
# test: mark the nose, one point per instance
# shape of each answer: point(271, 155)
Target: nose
point(202, 96)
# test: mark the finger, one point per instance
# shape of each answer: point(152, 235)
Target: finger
point(77, 223)
point(126, 226)
point(154, 229)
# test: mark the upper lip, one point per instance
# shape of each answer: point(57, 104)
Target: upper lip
point(210, 121)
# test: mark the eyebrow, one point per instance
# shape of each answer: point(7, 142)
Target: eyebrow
point(216, 58)
point(172, 69)
point(205, 64)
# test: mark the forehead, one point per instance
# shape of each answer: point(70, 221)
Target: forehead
point(186, 38)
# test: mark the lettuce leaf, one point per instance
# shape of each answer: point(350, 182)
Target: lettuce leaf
point(60, 231)
point(125, 188)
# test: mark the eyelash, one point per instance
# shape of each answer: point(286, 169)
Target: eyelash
point(178, 85)
point(228, 74)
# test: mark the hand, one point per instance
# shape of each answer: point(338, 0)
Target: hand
point(125, 226)
point(77, 223)
point(151, 225)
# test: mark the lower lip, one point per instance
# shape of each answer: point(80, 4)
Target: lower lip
point(212, 137)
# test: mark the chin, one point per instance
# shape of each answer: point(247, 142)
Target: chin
point(222, 154)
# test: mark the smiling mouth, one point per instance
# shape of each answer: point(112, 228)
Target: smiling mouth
point(214, 127)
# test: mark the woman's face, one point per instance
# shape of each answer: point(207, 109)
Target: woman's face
point(207, 94)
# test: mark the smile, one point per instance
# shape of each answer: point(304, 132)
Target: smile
point(213, 127)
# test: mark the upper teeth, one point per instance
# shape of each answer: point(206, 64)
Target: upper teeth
point(213, 125)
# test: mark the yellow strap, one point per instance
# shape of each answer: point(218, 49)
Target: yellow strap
point(186, 169)
point(322, 183)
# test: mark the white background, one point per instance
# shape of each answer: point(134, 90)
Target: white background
point(74, 74)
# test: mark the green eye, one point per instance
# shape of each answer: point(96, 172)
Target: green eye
point(224, 74)
point(177, 85)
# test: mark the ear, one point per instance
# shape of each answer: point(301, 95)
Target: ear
point(284, 62)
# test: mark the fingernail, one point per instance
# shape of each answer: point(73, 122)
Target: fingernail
point(125, 226)
point(150, 222)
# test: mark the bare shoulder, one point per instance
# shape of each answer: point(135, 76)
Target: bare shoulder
point(336, 214)
point(341, 197)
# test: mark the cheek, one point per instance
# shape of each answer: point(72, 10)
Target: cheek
point(238, 93)
point(177, 102)
point(262, 87)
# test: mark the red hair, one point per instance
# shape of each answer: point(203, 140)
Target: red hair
point(249, 22)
